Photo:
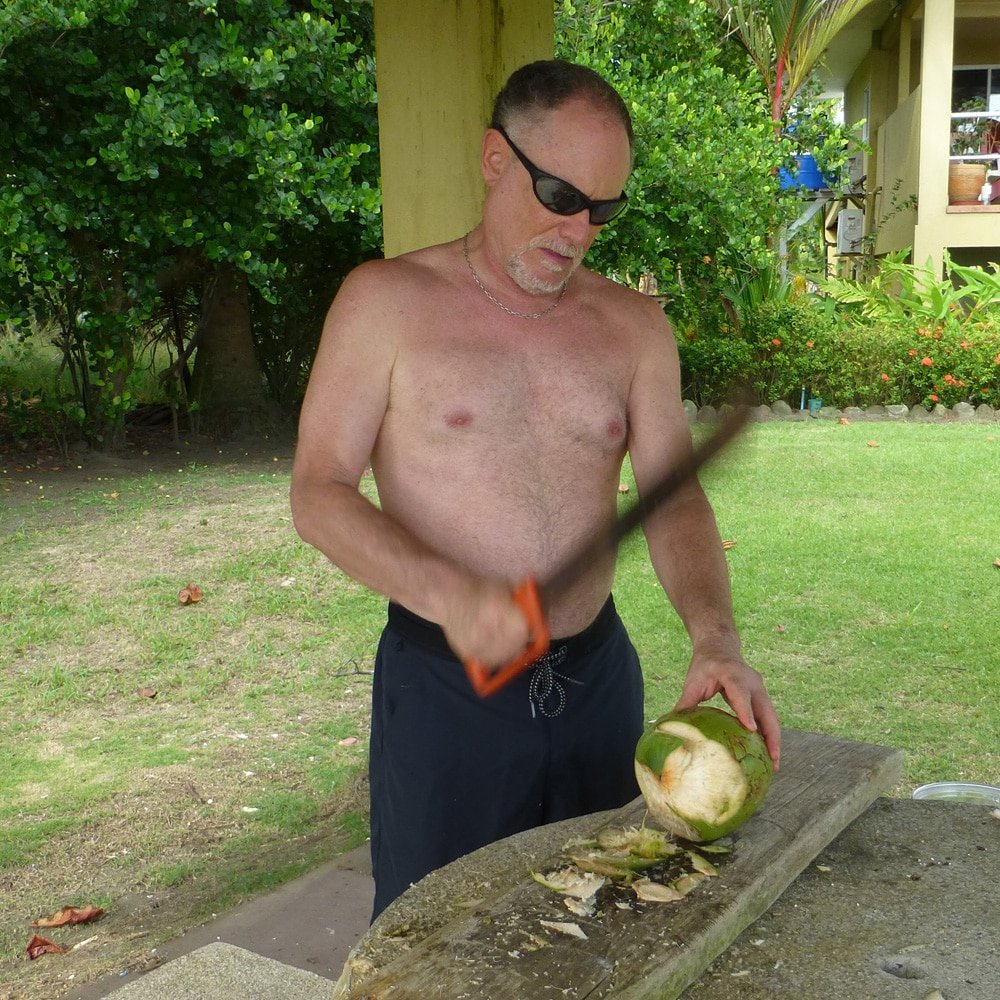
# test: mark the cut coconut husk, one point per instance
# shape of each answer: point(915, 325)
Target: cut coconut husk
point(701, 773)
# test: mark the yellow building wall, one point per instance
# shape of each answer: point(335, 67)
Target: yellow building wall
point(910, 125)
point(935, 229)
point(439, 64)
point(899, 141)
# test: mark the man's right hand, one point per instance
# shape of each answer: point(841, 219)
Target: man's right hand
point(486, 625)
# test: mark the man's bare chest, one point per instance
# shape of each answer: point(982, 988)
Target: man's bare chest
point(483, 395)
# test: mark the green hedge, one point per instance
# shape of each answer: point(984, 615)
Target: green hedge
point(843, 358)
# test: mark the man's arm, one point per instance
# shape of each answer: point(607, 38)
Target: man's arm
point(343, 410)
point(685, 547)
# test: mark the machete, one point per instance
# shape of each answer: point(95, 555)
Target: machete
point(533, 597)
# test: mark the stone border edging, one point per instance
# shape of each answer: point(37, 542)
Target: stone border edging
point(963, 413)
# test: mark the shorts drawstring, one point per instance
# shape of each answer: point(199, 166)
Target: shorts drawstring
point(545, 682)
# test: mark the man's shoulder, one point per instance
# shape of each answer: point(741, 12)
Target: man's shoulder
point(414, 272)
point(628, 303)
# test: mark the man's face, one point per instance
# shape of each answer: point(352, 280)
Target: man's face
point(581, 144)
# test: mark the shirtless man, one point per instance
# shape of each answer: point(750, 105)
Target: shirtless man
point(495, 386)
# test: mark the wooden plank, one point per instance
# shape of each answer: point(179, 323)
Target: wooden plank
point(471, 930)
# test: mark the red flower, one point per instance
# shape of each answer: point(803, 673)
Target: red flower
point(927, 362)
point(776, 341)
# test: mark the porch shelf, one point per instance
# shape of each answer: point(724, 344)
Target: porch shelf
point(973, 210)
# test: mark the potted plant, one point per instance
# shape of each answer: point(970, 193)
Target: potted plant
point(967, 177)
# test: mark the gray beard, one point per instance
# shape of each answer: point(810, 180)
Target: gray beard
point(533, 284)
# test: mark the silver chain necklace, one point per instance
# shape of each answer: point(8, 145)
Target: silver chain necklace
point(496, 301)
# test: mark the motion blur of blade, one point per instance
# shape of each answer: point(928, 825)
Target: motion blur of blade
point(611, 536)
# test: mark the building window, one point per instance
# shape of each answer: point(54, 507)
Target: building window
point(979, 84)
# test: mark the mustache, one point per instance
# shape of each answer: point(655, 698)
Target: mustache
point(575, 253)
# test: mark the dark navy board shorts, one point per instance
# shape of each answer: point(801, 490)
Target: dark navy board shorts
point(451, 772)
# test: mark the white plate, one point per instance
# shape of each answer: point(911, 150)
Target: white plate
point(959, 791)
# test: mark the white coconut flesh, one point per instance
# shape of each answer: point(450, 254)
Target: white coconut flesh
point(701, 781)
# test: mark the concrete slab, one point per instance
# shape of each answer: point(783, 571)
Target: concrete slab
point(221, 972)
point(901, 906)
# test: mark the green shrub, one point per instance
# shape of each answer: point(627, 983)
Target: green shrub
point(779, 347)
point(848, 356)
point(712, 367)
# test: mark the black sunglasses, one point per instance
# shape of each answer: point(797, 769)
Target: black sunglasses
point(561, 197)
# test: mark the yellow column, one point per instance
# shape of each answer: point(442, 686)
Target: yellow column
point(905, 42)
point(936, 65)
point(439, 64)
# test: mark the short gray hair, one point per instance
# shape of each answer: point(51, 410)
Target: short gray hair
point(549, 83)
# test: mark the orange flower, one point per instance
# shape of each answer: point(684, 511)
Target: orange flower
point(885, 378)
point(913, 352)
point(922, 332)
point(965, 344)
point(927, 362)
point(933, 397)
point(809, 343)
point(776, 341)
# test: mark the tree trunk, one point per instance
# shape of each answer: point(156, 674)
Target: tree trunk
point(227, 383)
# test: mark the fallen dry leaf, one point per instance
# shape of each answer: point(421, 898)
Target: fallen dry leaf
point(623, 487)
point(191, 594)
point(39, 946)
point(873, 444)
point(729, 543)
point(844, 422)
point(146, 693)
point(996, 562)
point(347, 741)
point(70, 915)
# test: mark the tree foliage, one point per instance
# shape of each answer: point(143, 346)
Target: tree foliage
point(703, 195)
point(786, 39)
point(149, 146)
point(705, 201)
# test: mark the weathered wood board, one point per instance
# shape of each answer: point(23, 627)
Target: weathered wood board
point(472, 929)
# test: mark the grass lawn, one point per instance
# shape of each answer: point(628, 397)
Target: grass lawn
point(163, 761)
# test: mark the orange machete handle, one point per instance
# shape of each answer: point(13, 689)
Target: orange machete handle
point(485, 681)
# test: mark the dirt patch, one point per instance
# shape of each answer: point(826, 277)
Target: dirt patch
point(41, 472)
point(248, 747)
point(158, 859)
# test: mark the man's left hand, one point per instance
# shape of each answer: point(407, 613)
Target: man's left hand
point(743, 689)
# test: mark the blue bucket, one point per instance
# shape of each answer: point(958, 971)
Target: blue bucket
point(807, 175)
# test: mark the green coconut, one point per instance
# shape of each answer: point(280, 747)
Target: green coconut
point(701, 773)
